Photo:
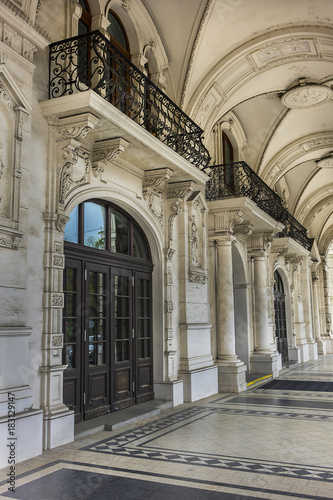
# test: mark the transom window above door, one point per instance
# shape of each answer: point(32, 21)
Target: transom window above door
point(103, 227)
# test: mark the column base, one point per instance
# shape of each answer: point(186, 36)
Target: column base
point(265, 362)
point(28, 433)
point(170, 391)
point(231, 375)
point(321, 345)
point(58, 428)
point(199, 384)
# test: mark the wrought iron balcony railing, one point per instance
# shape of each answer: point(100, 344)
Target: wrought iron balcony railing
point(91, 61)
point(238, 179)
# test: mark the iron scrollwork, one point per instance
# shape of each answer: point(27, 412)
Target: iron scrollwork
point(238, 179)
point(91, 61)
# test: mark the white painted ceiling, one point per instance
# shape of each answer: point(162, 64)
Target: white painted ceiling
point(242, 56)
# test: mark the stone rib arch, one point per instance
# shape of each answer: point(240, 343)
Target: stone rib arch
point(243, 64)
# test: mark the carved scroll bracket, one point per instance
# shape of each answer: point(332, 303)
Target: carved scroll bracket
point(106, 151)
point(154, 182)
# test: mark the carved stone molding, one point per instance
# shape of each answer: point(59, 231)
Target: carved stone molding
point(61, 222)
point(225, 220)
point(259, 243)
point(10, 238)
point(179, 191)
point(198, 276)
point(154, 182)
point(106, 151)
point(76, 127)
point(197, 214)
point(74, 173)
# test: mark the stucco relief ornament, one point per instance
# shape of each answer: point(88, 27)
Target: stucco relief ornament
point(306, 96)
point(74, 173)
point(326, 162)
point(194, 244)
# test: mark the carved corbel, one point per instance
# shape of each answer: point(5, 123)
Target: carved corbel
point(225, 220)
point(106, 151)
point(154, 182)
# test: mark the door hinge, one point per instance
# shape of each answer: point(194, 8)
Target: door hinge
point(132, 280)
point(133, 386)
point(84, 398)
point(85, 335)
point(85, 274)
point(132, 333)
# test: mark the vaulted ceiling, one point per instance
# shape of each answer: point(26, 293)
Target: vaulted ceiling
point(244, 57)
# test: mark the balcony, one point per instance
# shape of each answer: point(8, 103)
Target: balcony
point(92, 62)
point(239, 180)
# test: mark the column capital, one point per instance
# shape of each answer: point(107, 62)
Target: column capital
point(225, 239)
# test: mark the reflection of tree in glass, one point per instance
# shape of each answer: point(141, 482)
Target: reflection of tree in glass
point(96, 242)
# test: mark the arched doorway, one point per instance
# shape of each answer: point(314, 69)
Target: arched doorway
point(107, 318)
point(280, 316)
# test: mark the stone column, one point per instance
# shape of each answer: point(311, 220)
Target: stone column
point(226, 350)
point(265, 358)
point(231, 370)
point(263, 337)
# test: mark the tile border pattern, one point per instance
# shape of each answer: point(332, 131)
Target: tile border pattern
point(134, 443)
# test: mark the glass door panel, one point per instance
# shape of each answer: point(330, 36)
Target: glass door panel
point(122, 344)
point(143, 337)
point(72, 336)
point(97, 380)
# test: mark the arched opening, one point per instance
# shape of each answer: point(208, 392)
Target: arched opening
point(107, 317)
point(280, 316)
point(120, 71)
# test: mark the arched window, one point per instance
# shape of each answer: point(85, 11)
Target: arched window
point(85, 19)
point(120, 89)
point(105, 227)
point(227, 149)
point(118, 35)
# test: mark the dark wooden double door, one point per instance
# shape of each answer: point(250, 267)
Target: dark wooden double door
point(107, 338)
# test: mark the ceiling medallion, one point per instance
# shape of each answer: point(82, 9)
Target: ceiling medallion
point(326, 162)
point(306, 96)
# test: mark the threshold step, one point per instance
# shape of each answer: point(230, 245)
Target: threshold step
point(121, 418)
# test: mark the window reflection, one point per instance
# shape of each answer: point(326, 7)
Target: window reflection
point(72, 227)
point(103, 227)
point(119, 232)
point(94, 225)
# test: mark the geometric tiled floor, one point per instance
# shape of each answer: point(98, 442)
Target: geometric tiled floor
point(275, 441)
